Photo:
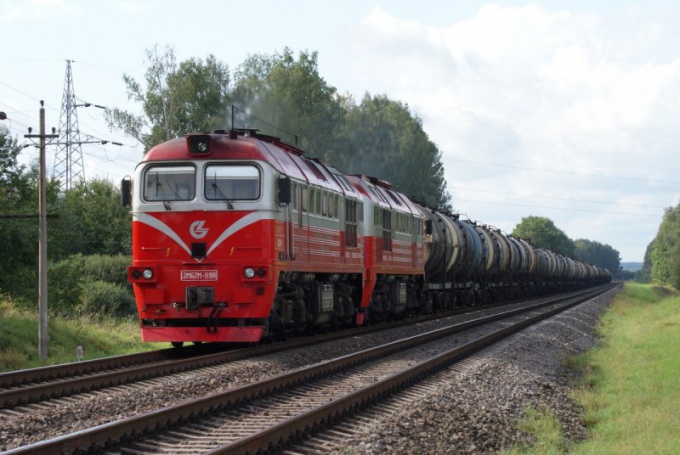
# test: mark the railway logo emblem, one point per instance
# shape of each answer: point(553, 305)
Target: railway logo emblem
point(197, 230)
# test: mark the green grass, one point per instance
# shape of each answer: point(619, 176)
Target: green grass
point(632, 395)
point(546, 429)
point(631, 383)
point(100, 337)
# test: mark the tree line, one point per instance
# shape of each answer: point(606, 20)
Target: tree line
point(285, 96)
point(85, 221)
point(662, 257)
point(280, 94)
point(543, 233)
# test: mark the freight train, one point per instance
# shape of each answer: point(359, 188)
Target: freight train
point(238, 237)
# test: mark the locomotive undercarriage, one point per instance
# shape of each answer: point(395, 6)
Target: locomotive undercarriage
point(310, 302)
point(305, 302)
point(396, 296)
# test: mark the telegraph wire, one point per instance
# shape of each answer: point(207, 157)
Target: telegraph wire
point(555, 198)
point(513, 166)
point(560, 208)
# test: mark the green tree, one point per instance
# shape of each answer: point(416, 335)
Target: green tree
point(543, 233)
point(645, 275)
point(388, 142)
point(91, 221)
point(18, 236)
point(598, 254)
point(176, 100)
point(286, 97)
point(665, 251)
point(9, 152)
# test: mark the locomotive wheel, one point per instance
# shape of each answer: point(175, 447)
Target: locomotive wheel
point(177, 344)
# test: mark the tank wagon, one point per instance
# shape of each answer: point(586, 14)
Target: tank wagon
point(238, 236)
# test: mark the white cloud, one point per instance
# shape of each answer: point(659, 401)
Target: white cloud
point(133, 8)
point(532, 89)
point(31, 9)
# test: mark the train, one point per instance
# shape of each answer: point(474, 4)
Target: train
point(238, 237)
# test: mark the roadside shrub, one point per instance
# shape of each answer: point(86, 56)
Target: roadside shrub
point(112, 269)
point(69, 278)
point(103, 298)
point(22, 285)
point(63, 287)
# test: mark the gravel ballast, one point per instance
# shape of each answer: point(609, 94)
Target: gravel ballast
point(477, 410)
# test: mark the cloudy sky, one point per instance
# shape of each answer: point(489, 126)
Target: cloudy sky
point(568, 110)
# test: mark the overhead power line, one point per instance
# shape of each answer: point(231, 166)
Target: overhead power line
point(660, 215)
point(512, 166)
point(557, 198)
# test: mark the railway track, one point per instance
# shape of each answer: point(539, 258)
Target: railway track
point(269, 414)
point(36, 385)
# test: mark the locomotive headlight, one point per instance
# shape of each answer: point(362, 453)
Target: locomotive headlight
point(249, 272)
point(147, 274)
point(199, 144)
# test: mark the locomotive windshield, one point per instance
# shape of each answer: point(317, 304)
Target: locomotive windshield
point(169, 183)
point(232, 181)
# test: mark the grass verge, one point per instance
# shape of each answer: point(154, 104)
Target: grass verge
point(99, 337)
point(631, 382)
point(632, 393)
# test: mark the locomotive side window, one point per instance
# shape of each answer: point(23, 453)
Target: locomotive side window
point(317, 202)
point(312, 200)
point(296, 203)
point(305, 198)
point(324, 204)
point(232, 181)
point(350, 222)
point(169, 183)
point(387, 230)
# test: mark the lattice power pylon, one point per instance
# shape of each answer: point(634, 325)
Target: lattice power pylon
point(68, 160)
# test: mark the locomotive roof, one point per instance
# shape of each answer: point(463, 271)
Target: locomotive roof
point(248, 145)
point(382, 193)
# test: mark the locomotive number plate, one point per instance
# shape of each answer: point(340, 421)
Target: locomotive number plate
point(198, 275)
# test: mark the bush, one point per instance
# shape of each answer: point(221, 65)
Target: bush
point(22, 285)
point(70, 278)
point(112, 269)
point(104, 298)
point(63, 287)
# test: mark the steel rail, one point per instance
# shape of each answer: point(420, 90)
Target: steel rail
point(280, 435)
point(124, 429)
point(37, 384)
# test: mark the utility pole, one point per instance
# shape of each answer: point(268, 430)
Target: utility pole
point(42, 241)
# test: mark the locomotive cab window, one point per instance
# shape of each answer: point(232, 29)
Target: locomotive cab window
point(169, 183)
point(230, 181)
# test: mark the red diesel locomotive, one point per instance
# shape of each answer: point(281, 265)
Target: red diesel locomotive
point(238, 236)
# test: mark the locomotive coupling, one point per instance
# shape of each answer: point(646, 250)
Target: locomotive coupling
point(198, 296)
